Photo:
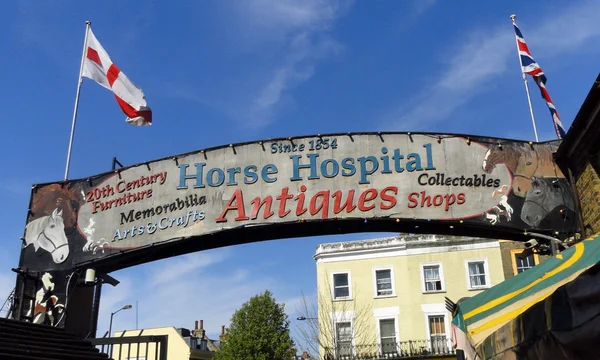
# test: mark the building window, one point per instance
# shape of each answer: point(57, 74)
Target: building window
point(432, 277)
point(384, 282)
point(437, 333)
point(387, 334)
point(522, 261)
point(343, 339)
point(477, 273)
point(341, 286)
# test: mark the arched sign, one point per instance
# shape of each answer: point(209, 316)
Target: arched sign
point(498, 186)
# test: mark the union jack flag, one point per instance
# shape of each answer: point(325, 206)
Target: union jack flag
point(531, 67)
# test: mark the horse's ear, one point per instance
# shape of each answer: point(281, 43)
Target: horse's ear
point(56, 213)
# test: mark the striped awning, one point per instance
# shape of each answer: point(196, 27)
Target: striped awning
point(492, 321)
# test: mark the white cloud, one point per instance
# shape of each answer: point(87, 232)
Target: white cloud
point(275, 20)
point(294, 306)
point(272, 92)
point(303, 51)
point(485, 55)
point(421, 6)
point(176, 292)
point(16, 186)
point(563, 31)
point(8, 259)
point(171, 270)
point(480, 59)
point(298, 27)
point(284, 41)
point(7, 284)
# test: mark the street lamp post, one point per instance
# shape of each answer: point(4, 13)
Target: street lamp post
point(303, 318)
point(126, 307)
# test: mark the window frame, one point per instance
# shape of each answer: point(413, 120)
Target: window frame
point(338, 272)
point(392, 279)
point(387, 313)
point(513, 259)
point(436, 310)
point(335, 327)
point(447, 335)
point(441, 271)
point(396, 337)
point(486, 269)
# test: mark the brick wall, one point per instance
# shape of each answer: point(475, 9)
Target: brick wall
point(588, 187)
point(505, 248)
point(505, 252)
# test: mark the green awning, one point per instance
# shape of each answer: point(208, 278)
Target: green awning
point(493, 321)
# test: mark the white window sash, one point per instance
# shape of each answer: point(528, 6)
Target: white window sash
point(437, 344)
point(432, 277)
point(384, 287)
point(344, 344)
point(478, 276)
point(335, 287)
point(384, 339)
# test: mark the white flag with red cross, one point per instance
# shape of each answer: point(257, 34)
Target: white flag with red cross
point(98, 66)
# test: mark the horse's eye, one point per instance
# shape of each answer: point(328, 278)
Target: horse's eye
point(52, 226)
point(528, 163)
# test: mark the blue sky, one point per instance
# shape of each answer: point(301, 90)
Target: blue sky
point(223, 72)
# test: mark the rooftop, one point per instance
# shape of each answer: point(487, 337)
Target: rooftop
point(400, 242)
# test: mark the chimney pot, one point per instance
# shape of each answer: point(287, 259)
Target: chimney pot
point(196, 325)
point(201, 324)
point(222, 329)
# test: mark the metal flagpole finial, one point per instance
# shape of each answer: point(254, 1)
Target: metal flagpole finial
point(513, 17)
point(88, 22)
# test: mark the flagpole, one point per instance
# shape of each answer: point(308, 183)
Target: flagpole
point(87, 30)
point(513, 17)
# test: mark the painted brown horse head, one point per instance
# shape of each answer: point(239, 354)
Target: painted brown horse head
point(501, 154)
point(524, 162)
point(51, 197)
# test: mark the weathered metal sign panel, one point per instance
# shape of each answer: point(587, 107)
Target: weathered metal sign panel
point(368, 176)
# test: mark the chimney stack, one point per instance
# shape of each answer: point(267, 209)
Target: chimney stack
point(201, 324)
point(223, 336)
point(196, 325)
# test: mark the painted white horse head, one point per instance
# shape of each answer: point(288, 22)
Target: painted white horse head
point(48, 233)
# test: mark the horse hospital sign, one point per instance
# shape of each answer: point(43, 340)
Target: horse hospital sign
point(491, 182)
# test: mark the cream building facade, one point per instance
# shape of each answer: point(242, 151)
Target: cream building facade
point(386, 295)
point(181, 345)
